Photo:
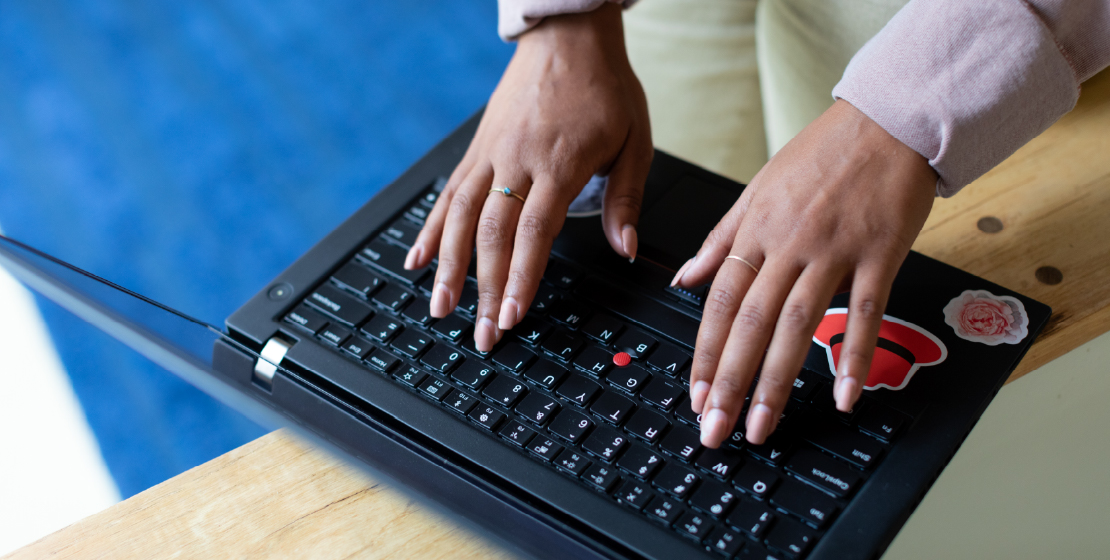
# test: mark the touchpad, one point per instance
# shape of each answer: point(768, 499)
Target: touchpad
point(673, 228)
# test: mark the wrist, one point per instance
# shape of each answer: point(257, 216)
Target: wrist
point(596, 33)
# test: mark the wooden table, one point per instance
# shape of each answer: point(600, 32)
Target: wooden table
point(273, 497)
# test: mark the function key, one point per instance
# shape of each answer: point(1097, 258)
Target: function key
point(824, 472)
point(635, 494)
point(514, 357)
point(434, 388)
point(751, 518)
point(662, 393)
point(468, 301)
point(307, 319)
point(392, 298)
point(640, 461)
point(537, 408)
point(442, 358)
point(561, 275)
point(681, 442)
point(517, 433)
point(381, 328)
point(391, 260)
point(402, 232)
point(545, 448)
point(428, 200)
point(570, 425)
point(358, 347)
point(473, 374)
point(601, 477)
point(790, 537)
point(636, 342)
point(451, 327)
point(411, 376)
point(720, 463)
point(805, 385)
point(724, 542)
point(545, 299)
point(358, 279)
point(646, 425)
point(335, 335)
point(605, 443)
point(612, 407)
point(676, 480)
point(505, 390)
point(603, 328)
point(669, 359)
point(339, 305)
point(418, 312)
point(694, 525)
point(531, 330)
point(570, 312)
point(563, 345)
point(487, 417)
point(714, 498)
point(382, 360)
point(594, 361)
point(755, 479)
point(812, 506)
point(546, 374)
point(664, 509)
point(412, 343)
point(578, 390)
point(461, 402)
point(572, 462)
point(628, 379)
point(881, 422)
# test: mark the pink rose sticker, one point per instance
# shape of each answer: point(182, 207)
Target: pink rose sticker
point(980, 316)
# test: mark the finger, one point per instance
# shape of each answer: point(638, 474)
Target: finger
point(624, 194)
point(457, 242)
point(870, 291)
point(427, 241)
point(721, 306)
point(801, 312)
point(540, 221)
point(704, 265)
point(496, 232)
point(747, 339)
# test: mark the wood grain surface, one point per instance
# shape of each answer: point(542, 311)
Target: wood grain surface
point(274, 498)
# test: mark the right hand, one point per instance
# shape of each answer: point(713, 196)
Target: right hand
point(568, 107)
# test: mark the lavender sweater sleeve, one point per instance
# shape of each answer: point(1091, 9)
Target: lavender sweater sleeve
point(517, 16)
point(967, 83)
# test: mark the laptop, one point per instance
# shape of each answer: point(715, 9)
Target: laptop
point(573, 437)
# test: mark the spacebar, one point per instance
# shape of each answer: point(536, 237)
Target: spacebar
point(640, 309)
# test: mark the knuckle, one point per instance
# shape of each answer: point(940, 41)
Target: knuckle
point(751, 317)
point(795, 316)
point(462, 203)
point(491, 232)
point(723, 298)
point(535, 225)
point(628, 201)
point(858, 353)
point(729, 387)
point(866, 308)
point(775, 387)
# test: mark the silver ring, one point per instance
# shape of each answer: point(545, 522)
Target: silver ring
point(750, 265)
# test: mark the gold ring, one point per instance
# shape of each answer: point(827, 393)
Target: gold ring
point(507, 192)
point(750, 265)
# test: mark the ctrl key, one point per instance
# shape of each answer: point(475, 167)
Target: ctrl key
point(487, 417)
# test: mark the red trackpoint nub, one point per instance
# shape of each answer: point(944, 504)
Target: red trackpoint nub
point(622, 359)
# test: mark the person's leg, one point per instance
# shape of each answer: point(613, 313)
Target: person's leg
point(697, 62)
point(803, 47)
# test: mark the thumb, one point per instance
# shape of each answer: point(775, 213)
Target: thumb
point(624, 194)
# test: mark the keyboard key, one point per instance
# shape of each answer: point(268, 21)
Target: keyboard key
point(756, 552)
point(381, 328)
point(687, 415)
point(790, 537)
point(335, 334)
point(412, 343)
point(641, 309)
point(382, 360)
point(563, 345)
point(640, 461)
point(665, 509)
point(418, 312)
point(531, 330)
point(612, 407)
point(823, 402)
point(358, 347)
point(442, 358)
point(339, 305)
point(402, 232)
point(418, 213)
point(751, 517)
point(755, 479)
point(824, 472)
point(714, 498)
point(845, 443)
point(307, 319)
point(669, 359)
point(392, 298)
point(545, 299)
point(514, 357)
point(676, 480)
point(605, 443)
point(882, 422)
point(662, 393)
point(561, 275)
point(468, 345)
point(578, 390)
point(635, 494)
point(808, 504)
point(451, 327)
point(736, 440)
point(681, 442)
point(545, 448)
point(572, 462)
point(391, 260)
point(594, 361)
point(628, 378)
point(601, 477)
point(505, 390)
point(603, 328)
point(725, 542)
point(518, 434)
point(358, 279)
point(775, 449)
point(411, 376)
point(694, 525)
point(487, 417)
point(461, 401)
point(537, 408)
point(646, 425)
point(546, 374)
point(805, 385)
point(721, 463)
point(468, 300)
point(636, 342)
point(570, 425)
point(435, 388)
point(427, 284)
point(570, 312)
point(473, 374)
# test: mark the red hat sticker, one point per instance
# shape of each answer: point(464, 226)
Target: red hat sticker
point(902, 349)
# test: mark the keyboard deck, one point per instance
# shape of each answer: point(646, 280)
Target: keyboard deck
point(600, 395)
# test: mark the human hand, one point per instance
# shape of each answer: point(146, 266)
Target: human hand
point(567, 107)
point(837, 208)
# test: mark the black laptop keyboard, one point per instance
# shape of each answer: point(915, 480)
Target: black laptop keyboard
point(601, 396)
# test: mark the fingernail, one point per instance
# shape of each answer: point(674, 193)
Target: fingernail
point(629, 241)
point(682, 271)
point(697, 395)
point(509, 313)
point(485, 335)
point(759, 423)
point(846, 393)
point(414, 256)
point(440, 305)
point(713, 429)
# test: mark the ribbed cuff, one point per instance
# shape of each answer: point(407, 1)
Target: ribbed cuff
point(517, 16)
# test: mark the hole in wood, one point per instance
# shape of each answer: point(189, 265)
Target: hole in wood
point(990, 224)
point(1049, 275)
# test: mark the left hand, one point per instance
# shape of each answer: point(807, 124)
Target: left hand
point(837, 208)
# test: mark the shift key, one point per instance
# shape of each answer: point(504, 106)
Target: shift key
point(391, 260)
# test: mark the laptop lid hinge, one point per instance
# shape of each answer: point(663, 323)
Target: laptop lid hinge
point(266, 366)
